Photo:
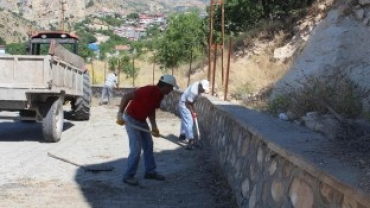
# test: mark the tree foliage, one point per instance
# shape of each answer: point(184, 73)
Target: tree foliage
point(114, 21)
point(16, 48)
point(112, 63)
point(2, 41)
point(241, 15)
point(123, 64)
point(133, 15)
point(185, 33)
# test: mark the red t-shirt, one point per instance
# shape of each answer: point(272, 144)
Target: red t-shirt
point(146, 100)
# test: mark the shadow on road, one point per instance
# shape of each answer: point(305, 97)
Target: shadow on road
point(174, 139)
point(25, 131)
point(188, 182)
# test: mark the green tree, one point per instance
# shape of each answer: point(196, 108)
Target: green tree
point(241, 15)
point(185, 33)
point(16, 48)
point(112, 63)
point(2, 41)
point(133, 15)
point(84, 51)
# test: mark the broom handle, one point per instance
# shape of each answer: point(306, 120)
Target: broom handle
point(64, 160)
point(141, 128)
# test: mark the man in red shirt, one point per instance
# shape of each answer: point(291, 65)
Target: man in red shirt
point(135, 107)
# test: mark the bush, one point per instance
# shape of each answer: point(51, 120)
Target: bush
point(279, 104)
point(246, 88)
point(335, 91)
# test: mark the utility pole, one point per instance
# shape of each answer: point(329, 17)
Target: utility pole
point(63, 15)
point(213, 44)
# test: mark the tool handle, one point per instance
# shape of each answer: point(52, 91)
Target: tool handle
point(142, 129)
point(64, 160)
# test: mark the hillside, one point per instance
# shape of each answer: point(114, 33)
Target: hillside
point(13, 27)
point(18, 17)
point(46, 13)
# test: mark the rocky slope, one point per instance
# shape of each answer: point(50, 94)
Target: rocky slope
point(14, 28)
point(46, 12)
point(338, 44)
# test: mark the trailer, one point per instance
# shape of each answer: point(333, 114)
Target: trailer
point(37, 86)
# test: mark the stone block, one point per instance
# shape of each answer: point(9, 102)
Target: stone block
point(287, 169)
point(301, 194)
point(245, 146)
point(253, 198)
point(260, 156)
point(277, 191)
point(329, 196)
point(239, 146)
point(252, 172)
point(349, 202)
point(245, 188)
point(272, 167)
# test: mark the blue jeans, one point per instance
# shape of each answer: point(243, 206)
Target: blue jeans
point(139, 140)
point(107, 94)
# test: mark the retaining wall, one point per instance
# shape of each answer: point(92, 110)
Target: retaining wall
point(272, 163)
point(269, 162)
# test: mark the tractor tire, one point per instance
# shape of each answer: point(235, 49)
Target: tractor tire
point(52, 123)
point(81, 105)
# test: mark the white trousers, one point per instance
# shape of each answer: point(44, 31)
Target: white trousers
point(187, 122)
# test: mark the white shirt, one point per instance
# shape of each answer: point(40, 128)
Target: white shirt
point(190, 94)
point(111, 80)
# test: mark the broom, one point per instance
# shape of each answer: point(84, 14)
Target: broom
point(91, 168)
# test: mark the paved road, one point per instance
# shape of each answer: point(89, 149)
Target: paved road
point(29, 178)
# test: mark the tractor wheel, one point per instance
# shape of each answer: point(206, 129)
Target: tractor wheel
point(81, 105)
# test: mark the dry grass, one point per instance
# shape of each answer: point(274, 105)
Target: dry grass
point(249, 74)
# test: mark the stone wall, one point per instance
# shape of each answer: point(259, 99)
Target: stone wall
point(96, 91)
point(272, 163)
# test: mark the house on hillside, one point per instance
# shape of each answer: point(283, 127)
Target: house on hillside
point(98, 25)
point(160, 19)
point(105, 12)
point(121, 48)
point(130, 32)
point(101, 38)
point(145, 19)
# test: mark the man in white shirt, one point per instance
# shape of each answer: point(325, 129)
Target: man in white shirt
point(187, 112)
point(108, 89)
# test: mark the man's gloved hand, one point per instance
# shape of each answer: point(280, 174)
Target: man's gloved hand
point(155, 132)
point(194, 115)
point(120, 120)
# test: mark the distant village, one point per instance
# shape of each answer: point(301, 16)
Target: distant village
point(132, 29)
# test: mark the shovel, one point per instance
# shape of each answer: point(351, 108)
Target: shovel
point(198, 133)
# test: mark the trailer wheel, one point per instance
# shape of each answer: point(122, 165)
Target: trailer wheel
point(81, 105)
point(52, 123)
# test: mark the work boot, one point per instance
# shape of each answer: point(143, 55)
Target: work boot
point(182, 137)
point(190, 145)
point(131, 181)
point(154, 176)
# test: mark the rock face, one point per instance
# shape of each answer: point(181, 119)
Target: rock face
point(49, 12)
point(340, 42)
